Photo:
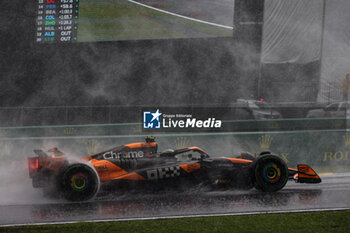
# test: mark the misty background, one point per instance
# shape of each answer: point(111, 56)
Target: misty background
point(299, 54)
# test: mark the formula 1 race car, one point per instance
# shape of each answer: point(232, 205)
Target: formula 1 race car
point(139, 164)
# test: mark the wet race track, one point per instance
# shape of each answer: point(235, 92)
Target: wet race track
point(332, 193)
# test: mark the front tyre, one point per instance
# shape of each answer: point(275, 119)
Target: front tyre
point(270, 173)
point(79, 182)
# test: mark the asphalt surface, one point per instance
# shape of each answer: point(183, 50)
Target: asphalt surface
point(332, 193)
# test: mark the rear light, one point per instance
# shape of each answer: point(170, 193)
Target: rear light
point(33, 165)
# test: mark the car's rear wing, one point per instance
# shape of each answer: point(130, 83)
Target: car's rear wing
point(304, 174)
point(44, 161)
point(41, 153)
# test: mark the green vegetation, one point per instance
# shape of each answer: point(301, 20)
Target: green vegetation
point(328, 221)
point(106, 20)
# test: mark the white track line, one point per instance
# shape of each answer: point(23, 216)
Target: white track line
point(181, 16)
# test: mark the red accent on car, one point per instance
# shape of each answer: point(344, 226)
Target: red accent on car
point(33, 165)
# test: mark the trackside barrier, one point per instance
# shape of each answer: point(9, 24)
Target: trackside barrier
point(136, 128)
point(322, 148)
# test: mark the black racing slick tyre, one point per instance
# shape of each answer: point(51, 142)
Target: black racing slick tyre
point(79, 182)
point(270, 173)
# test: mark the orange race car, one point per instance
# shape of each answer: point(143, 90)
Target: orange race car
point(140, 165)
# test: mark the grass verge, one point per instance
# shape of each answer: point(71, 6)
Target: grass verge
point(327, 221)
point(107, 20)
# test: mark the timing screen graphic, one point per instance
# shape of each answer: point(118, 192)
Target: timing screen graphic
point(111, 20)
point(57, 20)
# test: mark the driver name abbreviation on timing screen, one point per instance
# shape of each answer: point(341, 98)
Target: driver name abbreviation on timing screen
point(57, 21)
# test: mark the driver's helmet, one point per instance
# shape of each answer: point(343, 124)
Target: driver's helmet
point(150, 139)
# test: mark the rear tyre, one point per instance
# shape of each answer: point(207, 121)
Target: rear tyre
point(79, 182)
point(270, 173)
